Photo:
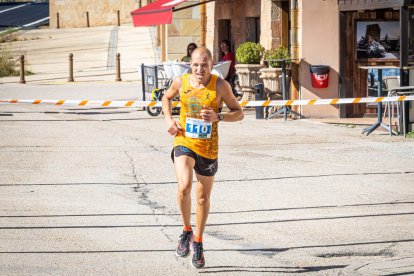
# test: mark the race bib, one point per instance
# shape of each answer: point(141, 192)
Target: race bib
point(196, 128)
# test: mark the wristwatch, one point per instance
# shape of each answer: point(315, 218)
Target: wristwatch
point(220, 117)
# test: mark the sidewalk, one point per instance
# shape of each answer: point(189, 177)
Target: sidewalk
point(94, 52)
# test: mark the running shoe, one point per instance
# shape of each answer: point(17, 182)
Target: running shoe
point(198, 256)
point(183, 247)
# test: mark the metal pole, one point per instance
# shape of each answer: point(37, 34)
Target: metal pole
point(118, 67)
point(294, 49)
point(87, 19)
point(143, 81)
point(22, 80)
point(156, 76)
point(57, 21)
point(404, 51)
point(284, 86)
point(203, 23)
point(70, 79)
point(119, 18)
point(379, 112)
point(163, 43)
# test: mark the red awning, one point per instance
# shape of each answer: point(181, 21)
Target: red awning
point(159, 12)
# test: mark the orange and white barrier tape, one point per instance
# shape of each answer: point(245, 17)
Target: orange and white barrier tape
point(97, 103)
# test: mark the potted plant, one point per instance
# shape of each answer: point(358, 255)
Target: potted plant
point(272, 76)
point(248, 56)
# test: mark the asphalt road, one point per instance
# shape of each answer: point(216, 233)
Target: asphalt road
point(23, 14)
point(91, 191)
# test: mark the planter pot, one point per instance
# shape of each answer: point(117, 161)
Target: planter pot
point(272, 80)
point(248, 77)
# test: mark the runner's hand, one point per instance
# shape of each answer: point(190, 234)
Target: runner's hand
point(208, 114)
point(174, 128)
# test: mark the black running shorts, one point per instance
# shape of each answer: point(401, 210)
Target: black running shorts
point(203, 166)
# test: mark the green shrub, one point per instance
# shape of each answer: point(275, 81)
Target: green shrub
point(274, 54)
point(249, 53)
point(7, 64)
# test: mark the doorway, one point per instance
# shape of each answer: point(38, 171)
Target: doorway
point(224, 32)
point(253, 29)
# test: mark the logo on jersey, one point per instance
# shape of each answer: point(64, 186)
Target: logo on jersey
point(194, 104)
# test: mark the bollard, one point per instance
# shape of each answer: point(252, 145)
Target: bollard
point(57, 21)
point(118, 67)
point(22, 80)
point(87, 19)
point(119, 19)
point(259, 109)
point(70, 79)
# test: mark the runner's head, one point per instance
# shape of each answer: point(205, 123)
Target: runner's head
point(201, 63)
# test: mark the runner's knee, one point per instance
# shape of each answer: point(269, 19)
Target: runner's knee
point(184, 192)
point(203, 199)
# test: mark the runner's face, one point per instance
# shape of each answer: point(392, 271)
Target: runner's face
point(201, 66)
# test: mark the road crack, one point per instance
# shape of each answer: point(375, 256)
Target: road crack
point(142, 190)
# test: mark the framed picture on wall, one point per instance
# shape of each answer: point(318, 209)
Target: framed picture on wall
point(378, 40)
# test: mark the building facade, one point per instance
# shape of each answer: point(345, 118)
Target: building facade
point(326, 35)
point(262, 21)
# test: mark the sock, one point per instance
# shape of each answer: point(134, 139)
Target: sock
point(187, 228)
point(198, 239)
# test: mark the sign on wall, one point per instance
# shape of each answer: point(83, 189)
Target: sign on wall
point(378, 40)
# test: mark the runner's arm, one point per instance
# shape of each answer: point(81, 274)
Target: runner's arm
point(235, 112)
point(172, 126)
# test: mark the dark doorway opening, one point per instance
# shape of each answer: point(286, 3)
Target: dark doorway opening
point(253, 29)
point(224, 32)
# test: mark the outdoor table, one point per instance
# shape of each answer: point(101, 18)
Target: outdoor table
point(379, 122)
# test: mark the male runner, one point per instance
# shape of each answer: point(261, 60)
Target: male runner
point(196, 142)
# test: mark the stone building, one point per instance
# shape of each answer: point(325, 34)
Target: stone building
point(184, 29)
point(324, 35)
point(263, 21)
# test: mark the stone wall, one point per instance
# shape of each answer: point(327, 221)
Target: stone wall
point(184, 29)
point(73, 13)
point(273, 22)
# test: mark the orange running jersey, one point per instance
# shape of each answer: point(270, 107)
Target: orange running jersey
point(192, 101)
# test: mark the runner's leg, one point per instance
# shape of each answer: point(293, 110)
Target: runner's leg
point(203, 191)
point(184, 172)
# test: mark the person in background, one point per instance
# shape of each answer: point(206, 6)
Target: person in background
point(190, 48)
point(227, 55)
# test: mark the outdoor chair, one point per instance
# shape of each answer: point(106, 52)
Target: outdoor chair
point(394, 89)
point(391, 82)
point(401, 91)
